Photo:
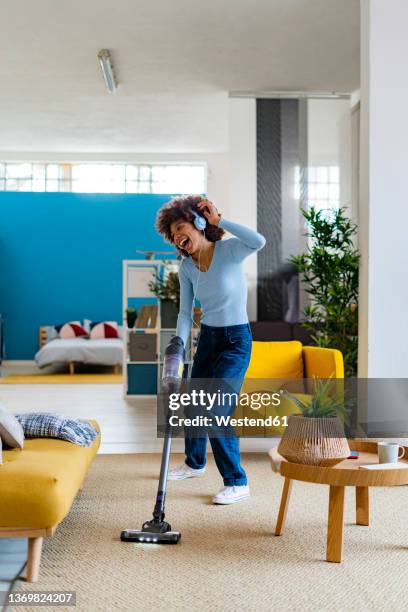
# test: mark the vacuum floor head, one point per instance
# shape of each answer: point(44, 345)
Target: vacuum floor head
point(133, 535)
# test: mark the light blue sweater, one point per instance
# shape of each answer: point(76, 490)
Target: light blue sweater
point(222, 289)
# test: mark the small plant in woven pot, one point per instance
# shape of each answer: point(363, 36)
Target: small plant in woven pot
point(316, 435)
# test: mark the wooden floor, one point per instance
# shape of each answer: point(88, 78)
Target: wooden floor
point(127, 425)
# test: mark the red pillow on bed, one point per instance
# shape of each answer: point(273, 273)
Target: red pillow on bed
point(73, 329)
point(106, 329)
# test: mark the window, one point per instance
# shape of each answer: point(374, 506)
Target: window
point(323, 186)
point(103, 178)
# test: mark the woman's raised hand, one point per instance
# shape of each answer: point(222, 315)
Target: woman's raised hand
point(209, 211)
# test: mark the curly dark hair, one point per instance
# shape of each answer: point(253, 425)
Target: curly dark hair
point(180, 208)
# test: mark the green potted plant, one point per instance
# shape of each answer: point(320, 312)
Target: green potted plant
point(330, 269)
point(316, 435)
point(167, 289)
point(131, 316)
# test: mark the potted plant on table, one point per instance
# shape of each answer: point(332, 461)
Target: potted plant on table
point(167, 288)
point(316, 435)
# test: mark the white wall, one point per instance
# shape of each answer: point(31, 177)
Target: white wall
point(383, 350)
point(329, 139)
point(355, 160)
point(242, 180)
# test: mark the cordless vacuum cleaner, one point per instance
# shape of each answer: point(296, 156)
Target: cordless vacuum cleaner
point(158, 531)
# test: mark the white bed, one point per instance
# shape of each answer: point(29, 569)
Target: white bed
point(78, 350)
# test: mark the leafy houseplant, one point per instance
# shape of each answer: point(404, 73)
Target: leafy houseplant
point(316, 435)
point(330, 269)
point(167, 289)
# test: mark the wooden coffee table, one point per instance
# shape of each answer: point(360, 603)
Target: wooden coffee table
point(344, 474)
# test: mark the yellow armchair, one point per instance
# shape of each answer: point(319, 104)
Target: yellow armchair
point(293, 360)
point(322, 362)
point(280, 361)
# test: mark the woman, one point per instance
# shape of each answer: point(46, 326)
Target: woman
point(212, 272)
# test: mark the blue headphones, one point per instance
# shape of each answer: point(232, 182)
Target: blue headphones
point(199, 222)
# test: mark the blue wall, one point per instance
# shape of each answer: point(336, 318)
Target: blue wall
point(61, 258)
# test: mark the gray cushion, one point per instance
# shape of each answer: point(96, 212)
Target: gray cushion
point(11, 432)
point(49, 425)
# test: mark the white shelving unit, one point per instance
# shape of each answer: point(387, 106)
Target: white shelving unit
point(142, 378)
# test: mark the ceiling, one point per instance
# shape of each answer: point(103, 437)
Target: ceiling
point(175, 61)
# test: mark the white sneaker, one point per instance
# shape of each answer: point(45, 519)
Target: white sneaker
point(232, 495)
point(183, 471)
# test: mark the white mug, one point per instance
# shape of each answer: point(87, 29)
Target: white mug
point(389, 452)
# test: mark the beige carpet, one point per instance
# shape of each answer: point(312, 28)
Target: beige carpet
point(228, 558)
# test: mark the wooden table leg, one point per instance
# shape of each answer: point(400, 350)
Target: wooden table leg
point(34, 558)
point(335, 525)
point(362, 506)
point(280, 523)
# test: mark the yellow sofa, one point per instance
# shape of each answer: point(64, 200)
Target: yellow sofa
point(275, 362)
point(37, 488)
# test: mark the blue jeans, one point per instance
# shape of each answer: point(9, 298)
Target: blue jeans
point(222, 353)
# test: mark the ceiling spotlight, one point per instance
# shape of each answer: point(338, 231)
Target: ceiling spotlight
point(105, 61)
